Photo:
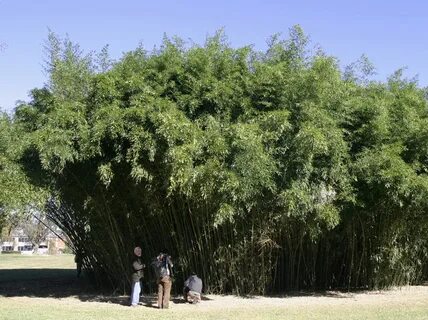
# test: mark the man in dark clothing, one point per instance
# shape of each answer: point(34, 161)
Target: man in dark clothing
point(163, 269)
point(137, 267)
point(192, 289)
point(78, 259)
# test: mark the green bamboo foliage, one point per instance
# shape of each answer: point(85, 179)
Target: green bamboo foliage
point(18, 196)
point(261, 171)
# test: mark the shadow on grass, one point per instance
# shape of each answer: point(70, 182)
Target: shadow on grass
point(55, 283)
point(62, 283)
point(148, 300)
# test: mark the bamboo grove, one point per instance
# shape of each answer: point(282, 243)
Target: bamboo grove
point(261, 171)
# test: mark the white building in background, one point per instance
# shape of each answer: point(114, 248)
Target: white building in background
point(18, 241)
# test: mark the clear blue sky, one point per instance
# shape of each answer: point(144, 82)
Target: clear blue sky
point(392, 34)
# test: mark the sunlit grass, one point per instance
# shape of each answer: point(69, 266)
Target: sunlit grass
point(48, 308)
point(18, 261)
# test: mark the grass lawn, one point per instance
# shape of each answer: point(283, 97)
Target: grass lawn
point(34, 267)
point(21, 261)
point(51, 291)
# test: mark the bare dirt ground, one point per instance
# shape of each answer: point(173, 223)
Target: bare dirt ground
point(396, 296)
point(329, 298)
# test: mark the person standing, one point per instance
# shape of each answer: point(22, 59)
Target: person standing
point(163, 269)
point(137, 274)
point(78, 259)
point(192, 289)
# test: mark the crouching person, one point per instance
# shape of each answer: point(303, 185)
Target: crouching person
point(192, 289)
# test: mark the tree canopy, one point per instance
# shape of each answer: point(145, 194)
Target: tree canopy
point(262, 171)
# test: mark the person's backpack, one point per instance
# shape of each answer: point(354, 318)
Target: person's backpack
point(162, 267)
point(163, 270)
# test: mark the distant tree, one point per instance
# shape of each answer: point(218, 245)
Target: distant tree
point(37, 228)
